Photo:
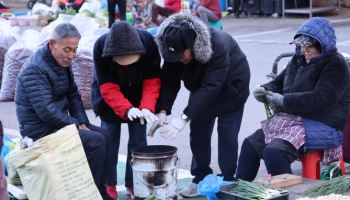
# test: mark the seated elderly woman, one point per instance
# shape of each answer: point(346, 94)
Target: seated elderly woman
point(208, 10)
point(312, 97)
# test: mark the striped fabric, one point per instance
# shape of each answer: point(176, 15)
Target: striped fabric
point(291, 128)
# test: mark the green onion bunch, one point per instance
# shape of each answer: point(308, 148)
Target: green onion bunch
point(252, 190)
point(270, 109)
point(338, 185)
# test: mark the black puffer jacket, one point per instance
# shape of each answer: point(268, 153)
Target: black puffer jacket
point(319, 90)
point(218, 76)
point(47, 97)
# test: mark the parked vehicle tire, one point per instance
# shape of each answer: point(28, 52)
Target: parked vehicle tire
point(30, 4)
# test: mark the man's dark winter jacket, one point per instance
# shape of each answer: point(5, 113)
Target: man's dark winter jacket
point(319, 90)
point(47, 97)
point(116, 89)
point(218, 76)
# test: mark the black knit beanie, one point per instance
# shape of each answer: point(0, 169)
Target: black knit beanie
point(121, 40)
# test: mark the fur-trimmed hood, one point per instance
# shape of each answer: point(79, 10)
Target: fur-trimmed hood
point(202, 48)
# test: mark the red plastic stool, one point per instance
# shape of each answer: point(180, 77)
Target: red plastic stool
point(311, 162)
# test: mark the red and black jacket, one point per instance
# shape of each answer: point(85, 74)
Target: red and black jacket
point(116, 89)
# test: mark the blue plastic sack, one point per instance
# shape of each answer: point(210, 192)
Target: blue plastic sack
point(210, 185)
point(6, 149)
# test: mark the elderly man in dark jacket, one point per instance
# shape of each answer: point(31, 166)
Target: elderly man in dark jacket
point(216, 72)
point(125, 89)
point(311, 97)
point(47, 99)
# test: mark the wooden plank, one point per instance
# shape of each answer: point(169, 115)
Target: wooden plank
point(280, 181)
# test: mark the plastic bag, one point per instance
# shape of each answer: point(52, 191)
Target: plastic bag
point(92, 6)
point(82, 67)
point(210, 185)
point(85, 25)
point(42, 9)
point(47, 30)
point(330, 171)
point(55, 167)
point(12, 174)
point(7, 147)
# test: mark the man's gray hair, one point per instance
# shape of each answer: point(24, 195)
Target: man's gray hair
point(65, 30)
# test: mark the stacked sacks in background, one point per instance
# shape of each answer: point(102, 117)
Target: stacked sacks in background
point(15, 57)
point(83, 64)
point(82, 67)
point(7, 39)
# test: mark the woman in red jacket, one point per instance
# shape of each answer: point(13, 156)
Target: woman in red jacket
point(170, 7)
point(209, 10)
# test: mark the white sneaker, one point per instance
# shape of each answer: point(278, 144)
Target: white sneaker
point(190, 191)
point(130, 192)
point(274, 15)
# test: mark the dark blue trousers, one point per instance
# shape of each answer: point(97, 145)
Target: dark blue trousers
point(137, 138)
point(278, 156)
point(96, 146)
point(200, 140)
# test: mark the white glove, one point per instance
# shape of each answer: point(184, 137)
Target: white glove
point(149, 116)
point(260, 94)
point(162, 118)
point(134, 113)
point(173, 128)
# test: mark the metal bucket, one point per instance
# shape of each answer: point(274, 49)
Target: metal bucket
point(155, 169)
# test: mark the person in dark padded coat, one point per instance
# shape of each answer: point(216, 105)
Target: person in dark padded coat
point(216, 72)
point(47, 99)
point(311, 100)
point(125, 89)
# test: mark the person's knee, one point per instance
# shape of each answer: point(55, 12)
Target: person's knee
point(246, 144)
point(276, 161)
point(272, 154)
point(201, 10)
point(96, 140)
point(248, 151)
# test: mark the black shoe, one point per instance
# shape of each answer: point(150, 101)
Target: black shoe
point(106, 197)
point(229, 178)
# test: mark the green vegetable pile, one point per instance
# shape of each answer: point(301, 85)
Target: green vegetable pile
point(67, 11)
point(270, 109)
point(338, 185)
point(252, 190)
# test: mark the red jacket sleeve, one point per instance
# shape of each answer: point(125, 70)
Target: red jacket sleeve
point(205, 3)
point(113, 96)
point(150, 93)
point(174, 5)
